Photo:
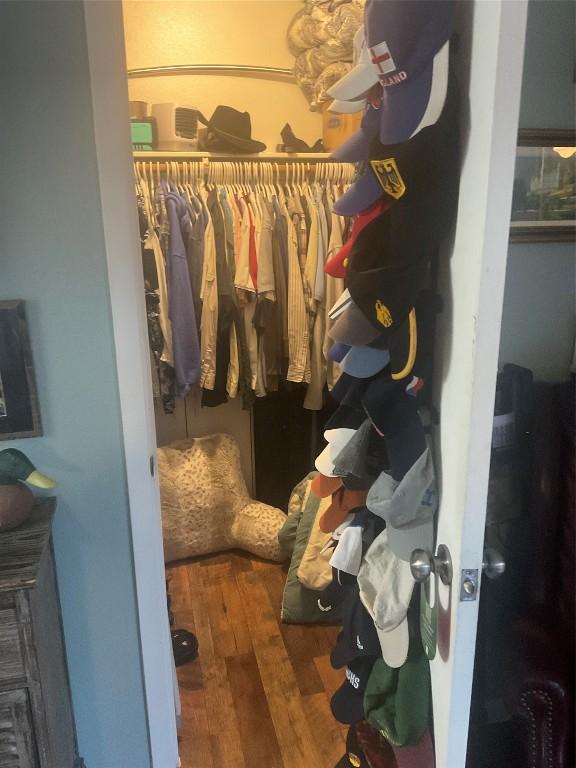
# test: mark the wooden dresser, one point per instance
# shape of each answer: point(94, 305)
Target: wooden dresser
point(36, 723)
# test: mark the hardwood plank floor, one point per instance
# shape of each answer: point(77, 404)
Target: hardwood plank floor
point(259, 692)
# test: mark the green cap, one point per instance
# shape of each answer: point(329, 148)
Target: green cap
point(397, 701)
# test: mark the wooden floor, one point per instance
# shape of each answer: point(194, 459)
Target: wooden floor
point(258, 695)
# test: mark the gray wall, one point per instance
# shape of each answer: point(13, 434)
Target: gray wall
point(52, 255)
point(538, 324)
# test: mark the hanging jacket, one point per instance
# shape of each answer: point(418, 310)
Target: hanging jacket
point(184, 330)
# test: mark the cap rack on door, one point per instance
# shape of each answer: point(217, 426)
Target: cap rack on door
point(275, 167)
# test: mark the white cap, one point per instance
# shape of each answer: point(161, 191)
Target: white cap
point(347, 107)
point(386, 586)
point(356, 83)
point(337, 439)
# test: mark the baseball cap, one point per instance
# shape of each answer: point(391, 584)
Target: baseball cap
point(357, 147)
point(358, 636)
point(397, 701)
point(377, 750)
point(347, 704)
point(354, 757)
point(336, 264)
point(346, 416)
point(410, 346)
point(412, 170)
point(406, 443)
point(324, 486)
point(348, 390)
point(363, 457)
point(337, 351)
point(363, 75)
point(394, 415)
point(347, 555)
point(386, 587)
point(336, 592)
point(364, 362)
point(384, 280)
point(407, 45)
point(347, 107)
point(408, 506)
point(340, 304)
point(344, 502)
point(352, 327)
point(379, 401)
point(417, 755)
point(337, 439)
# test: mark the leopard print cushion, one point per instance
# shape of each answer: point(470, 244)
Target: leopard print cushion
point(205, 503)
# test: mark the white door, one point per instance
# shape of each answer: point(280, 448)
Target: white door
point(105, 48)
point(491, 49)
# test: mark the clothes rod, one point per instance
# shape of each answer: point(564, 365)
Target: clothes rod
point(237, 70)
point(154, 156)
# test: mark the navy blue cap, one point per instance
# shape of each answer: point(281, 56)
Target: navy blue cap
point(347, 704)
point(412, 172)
point(358, 637)
point(337, 351)
point(356, 148)
point(347, 417)
point(335, 593)
point(408, 46)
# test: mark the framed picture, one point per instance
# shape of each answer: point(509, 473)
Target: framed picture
point(19, 412)
point(544, 198)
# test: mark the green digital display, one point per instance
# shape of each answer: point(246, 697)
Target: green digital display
point(143, 132)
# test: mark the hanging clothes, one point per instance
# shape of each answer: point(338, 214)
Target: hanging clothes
point(238, 298)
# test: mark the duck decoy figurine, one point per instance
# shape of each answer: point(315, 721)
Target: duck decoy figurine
point(16, 499)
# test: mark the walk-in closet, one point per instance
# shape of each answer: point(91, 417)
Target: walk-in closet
point(287, 369)
point(297, 177)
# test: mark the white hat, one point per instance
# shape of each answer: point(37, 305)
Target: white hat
point(347, 556)
point(408, 506)
point(386, 587)
point(361, 77)
point(337, 439)
point(347, 107)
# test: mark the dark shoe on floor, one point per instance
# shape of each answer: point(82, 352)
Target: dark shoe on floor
point(184, 645)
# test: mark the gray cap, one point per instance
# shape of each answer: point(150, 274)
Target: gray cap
point(408, 506)
point(352, 327)
point(351, 459)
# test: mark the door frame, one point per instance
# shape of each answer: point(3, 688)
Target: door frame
point(106, 56)
point(107, 65)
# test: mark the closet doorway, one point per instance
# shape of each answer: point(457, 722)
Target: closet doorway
point(231, 600)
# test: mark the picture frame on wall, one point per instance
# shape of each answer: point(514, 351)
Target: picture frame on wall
point(544, 198)
point(19, 410)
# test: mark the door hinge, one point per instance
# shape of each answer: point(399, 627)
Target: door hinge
point(468, 584)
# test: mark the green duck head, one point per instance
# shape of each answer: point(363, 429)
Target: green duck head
point(15, 466)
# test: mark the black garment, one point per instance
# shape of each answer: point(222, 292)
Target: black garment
point(165, 372)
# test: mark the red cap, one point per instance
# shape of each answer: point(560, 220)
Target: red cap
point(336, 264)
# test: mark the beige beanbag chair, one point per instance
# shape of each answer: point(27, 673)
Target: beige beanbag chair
point(205, 502)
